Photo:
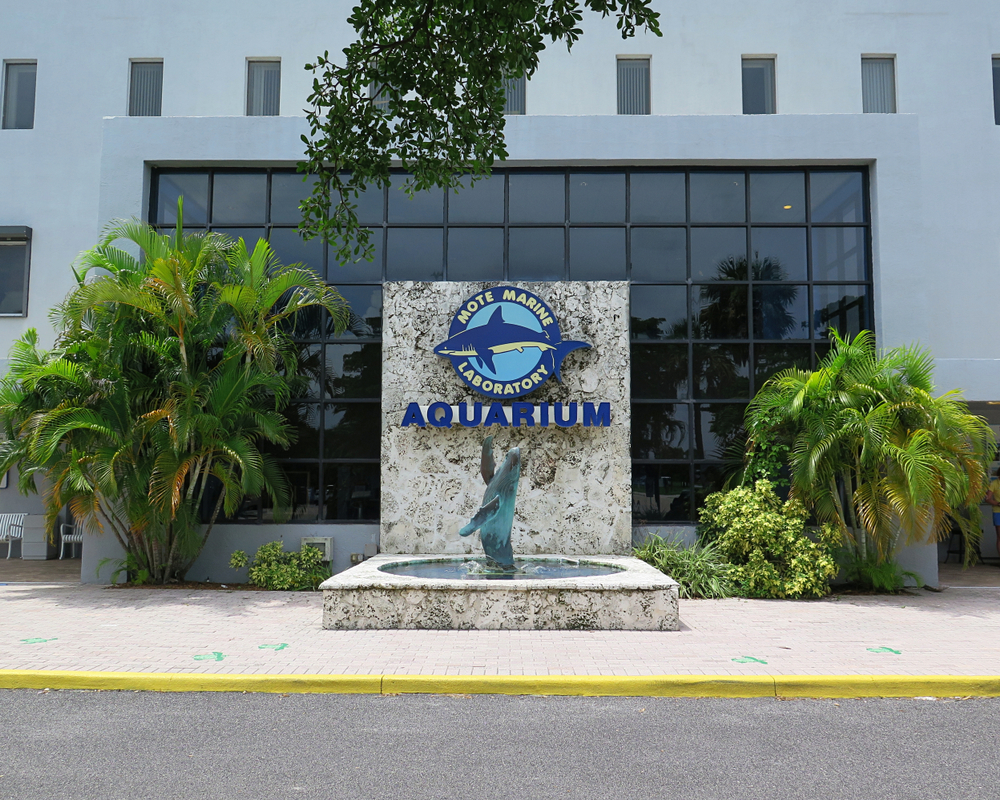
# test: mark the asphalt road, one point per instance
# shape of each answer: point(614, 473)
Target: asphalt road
point(135, 745)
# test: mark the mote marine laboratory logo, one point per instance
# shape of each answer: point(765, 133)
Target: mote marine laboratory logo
point(505, 342)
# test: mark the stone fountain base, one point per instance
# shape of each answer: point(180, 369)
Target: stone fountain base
point(636, 598)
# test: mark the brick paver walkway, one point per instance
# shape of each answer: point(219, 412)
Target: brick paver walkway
point(74, 627)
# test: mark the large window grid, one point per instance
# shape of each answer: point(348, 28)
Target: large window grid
point(705, 331)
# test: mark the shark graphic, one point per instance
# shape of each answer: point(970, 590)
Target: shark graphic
point(495, 517)
point(497, 336)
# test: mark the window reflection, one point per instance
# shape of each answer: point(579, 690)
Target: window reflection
point(481, 201)
point(659, 430)
point(657, 197)
point(842, 307)
point(351, 491)
point(291, 248)
point(288, 190)
point(779, 254)
point(836, 197)
point(597, 254)
point(365, 318)
point(778, 196)
point(351, 430)
point(303, 484)
point(537, 197)
point(303, 417)
point(414, 254)
point(193, 187)
point(659, 312)
point(361, 270)
point(659, 254)
point(475, 254)
point(718, 197)
point(239, 198)
point(781, 312)
point(721, 371)
point(770, 359)
point(537, 254)
point(597, 197)
point(425, 206)
point(718, 430)
point(661, 493)
point(719, 312)
point(354, 370)
point(660, 371)
point(839, 254)
point(719, 254)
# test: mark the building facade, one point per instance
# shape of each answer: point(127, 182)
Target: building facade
point(757, 176)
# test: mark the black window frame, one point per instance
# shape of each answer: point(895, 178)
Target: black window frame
point(14, 236)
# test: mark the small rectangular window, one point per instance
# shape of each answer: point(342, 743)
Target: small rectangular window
point(15, 253)
point(19, 95)
point(633, 85)
point(263, 88)
point(514, 89)
point(758, 86)
point(996, 90)
point(145, 94)
point(878, 85)
point(378, 95)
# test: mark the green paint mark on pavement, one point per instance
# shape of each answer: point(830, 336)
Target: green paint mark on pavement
point(39, 641)
point(749, 659)
point(274, 647)
point(884, 650)
point(216, 656)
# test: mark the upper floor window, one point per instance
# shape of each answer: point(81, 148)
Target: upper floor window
point(633, 85)
point(758, 86)
point(145, 93)
point(15, 252)
point(878, 85)
point(996, 90)
point(263, 88)
point(515, 90)
point(19, 94)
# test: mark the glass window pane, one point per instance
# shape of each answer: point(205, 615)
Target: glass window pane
point(357, 271)
point(145, 89)
point(238, 198)
point(836, 197)
point(13, 256)
point(514, 95)
point(659, 312)
point(19, 97)
point(719, 312)
point(366, 312)
point(193, 187)
point(708, 478)
point(842, 307)
point(779, 254)
point(354, 370)
point(308, 373)
point(777, 197)
point(291, 248)
point(758, 86)
point(415, 254)
point(351, 491)
point(661, 493)
point(249, 235)
point(996, 91)
point(633, 85)
point(719, 254)
point(839, 254)
point(660, 371)
point(537, 198)
point(424, 207)
point(263, 88)
point(657, 197)
point(718, 429)
point(718, 197)
point(288, 190)
point(537, 254)
point(721, 371)
point(659, 254)
point(781, 312)
point(475, 254)
point(352, 430)
point(304, 420)
point(481, 201)
point(770, 359)
point(597, 197)
point(303, 484)
point(597, 254)
point(878, 86)
point(660, 430)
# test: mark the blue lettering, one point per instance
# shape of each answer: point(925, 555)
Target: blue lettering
point(523, 413)
point(439, 415)
point(413, 416)
point(475, 419)
point(560, 421)
point(544, 414)
point(495, 416)
point(601, 416)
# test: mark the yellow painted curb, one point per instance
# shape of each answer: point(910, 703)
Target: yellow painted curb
point(804, 686)
point(187, 682)
point(584, 685)
point(887, 685)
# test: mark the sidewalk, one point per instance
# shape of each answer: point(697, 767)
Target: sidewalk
point(75, 627)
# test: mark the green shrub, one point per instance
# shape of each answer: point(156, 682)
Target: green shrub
point(273, 568)
point(870, 575)
point(766, 542)
point(700, 570)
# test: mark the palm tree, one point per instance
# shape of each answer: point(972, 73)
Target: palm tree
point(872, 449)
point(169, 372)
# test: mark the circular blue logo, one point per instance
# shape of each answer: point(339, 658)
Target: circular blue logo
point(505, 342)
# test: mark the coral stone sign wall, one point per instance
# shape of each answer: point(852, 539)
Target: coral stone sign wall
point(575, 489)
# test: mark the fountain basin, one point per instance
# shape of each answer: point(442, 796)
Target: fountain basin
point(374, 596)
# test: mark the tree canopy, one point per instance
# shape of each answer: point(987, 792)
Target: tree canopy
point(423, 86)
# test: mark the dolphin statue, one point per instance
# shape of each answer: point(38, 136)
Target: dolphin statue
point(495, 517)
point(487, 341)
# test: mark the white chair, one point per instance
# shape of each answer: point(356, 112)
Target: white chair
point(11, 528)
point(66, 533)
